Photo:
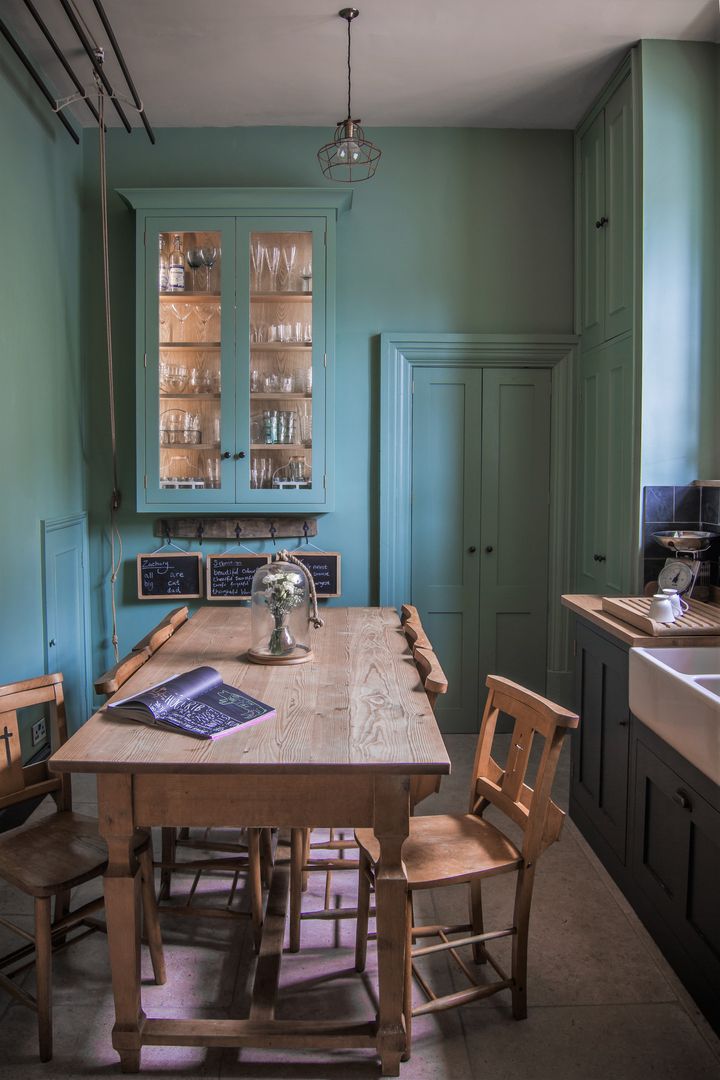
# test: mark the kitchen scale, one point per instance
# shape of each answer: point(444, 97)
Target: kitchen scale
point(681, 571)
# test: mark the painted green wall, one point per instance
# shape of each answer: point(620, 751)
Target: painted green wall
point(41, 387)
point(460, 230)
point(680, 281)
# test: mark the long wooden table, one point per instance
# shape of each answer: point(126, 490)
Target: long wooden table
point(352, 727)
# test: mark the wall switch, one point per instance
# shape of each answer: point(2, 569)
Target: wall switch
point(37, 733)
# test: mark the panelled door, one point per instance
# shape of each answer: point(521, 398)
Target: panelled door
point(479, 535)
point(66, 611)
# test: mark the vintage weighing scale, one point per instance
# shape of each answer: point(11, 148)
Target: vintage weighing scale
point(681, 571)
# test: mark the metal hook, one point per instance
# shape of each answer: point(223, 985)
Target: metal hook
point(273, 532)
point(168, 536)
point(306, 529)
point(238, 530)
point(200, 531)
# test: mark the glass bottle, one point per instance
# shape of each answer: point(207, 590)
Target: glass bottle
point(164, 272)
point(176, 274)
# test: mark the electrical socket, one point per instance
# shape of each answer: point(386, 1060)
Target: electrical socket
point(37, 732)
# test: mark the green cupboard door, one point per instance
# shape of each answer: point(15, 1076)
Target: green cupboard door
point(515, 526)
point(619, 229)
point(616, 524)
point(592, 237)
point(445, 532)
point(591, 473)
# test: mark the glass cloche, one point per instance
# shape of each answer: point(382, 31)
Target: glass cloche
point(280, 615)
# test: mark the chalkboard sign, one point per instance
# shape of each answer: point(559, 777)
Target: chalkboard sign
point(325, 570)
point(177, 575)
point(229, 577)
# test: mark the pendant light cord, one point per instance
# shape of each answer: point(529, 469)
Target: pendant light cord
point(115, 537)
point(348, 63)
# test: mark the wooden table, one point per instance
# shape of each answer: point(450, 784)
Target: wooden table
point(352, 727)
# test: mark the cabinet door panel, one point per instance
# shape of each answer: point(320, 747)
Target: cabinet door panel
point(600, 746)
point(619, 197)
point(592, 239)
point(592, 473)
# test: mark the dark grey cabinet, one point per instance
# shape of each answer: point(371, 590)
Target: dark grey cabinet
point(599, 788)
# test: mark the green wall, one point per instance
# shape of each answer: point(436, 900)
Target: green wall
point(680, 242)
point(460, 230)
point(41, 386)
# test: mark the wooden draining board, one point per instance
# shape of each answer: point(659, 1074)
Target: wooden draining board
point(699, 619)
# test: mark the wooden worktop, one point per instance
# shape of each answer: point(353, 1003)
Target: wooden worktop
point(590, 608)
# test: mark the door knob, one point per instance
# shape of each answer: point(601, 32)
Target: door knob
point(602, 221)
point(681, 798)
point(489, 549)
point(225, 455)
point(599, 558)
point(240, 454)
point(51, 643)
point(472, 550)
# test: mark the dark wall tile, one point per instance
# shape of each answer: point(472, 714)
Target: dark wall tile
point(710, 505)
point(687, 504)
point(651, 569)
point(659, 504)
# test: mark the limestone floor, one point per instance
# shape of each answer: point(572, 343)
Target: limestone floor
point(604, 1005)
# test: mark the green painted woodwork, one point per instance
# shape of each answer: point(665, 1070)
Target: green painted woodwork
point(515, 484)
point(619, 193)
point(67, 611)
point(43, 435)
point(592, 208)
point(446, 522)
point(605, 455)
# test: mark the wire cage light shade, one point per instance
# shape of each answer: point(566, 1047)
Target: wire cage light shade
point(350, 157)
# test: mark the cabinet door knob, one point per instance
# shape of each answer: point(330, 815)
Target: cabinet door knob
point(472, 550)
point(240, 454)
point(599, 558)
point(600, 222)
point(682, 799)
point(489, 549)
point(225, 455)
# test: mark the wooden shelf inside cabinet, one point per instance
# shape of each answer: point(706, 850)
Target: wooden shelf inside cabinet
point(196, 297)
point(278, 346)
point(198, 346)
point(189, 395)
point(279, 446)
point(275, 394)
point(276, 297)
point(184, 447)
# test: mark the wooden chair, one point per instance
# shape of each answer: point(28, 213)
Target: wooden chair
point(454, 848)
point(109, 683)
point(163, 631)
point(421, 787)
point(52, 856)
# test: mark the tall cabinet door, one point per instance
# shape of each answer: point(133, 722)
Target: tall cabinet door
point(592, 234)
point(445, 565)
point(619, 198)
point(515, 496)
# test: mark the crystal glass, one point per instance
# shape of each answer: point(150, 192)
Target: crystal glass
point(289, 255)
point(206, 313)
point(182, 313)
point(258, 254)
point(209, 254)
point(273, 262)
point(194, 261)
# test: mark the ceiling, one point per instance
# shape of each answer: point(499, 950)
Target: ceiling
point(476, 63)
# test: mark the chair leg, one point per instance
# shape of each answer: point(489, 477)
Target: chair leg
point(151, 919)
point(266, 856)
point(297, 861)
point(255, 883)
point(523, 897)
point(363, 912)
point(169, 838)
point(407, 993)
point(305, 857)
point(43, 974)
point(62, 906)
point(476, 919)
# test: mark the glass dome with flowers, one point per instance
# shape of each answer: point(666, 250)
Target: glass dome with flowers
point(280, 615)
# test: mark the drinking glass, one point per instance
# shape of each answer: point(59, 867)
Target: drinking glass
point(306, 275)
point(205, 314)
point(298, 332)
point(258, 254)
point(307, 333)
point(289, 254)
point(254, 380)
point(209, 257)
point(164, 325)
point(273, 262)
point(182, 313)
point(194, 261)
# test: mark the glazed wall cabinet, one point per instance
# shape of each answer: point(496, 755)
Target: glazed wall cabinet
point(605, 167)
point(235, 304)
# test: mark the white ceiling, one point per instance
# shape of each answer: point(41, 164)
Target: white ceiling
point(478, 63)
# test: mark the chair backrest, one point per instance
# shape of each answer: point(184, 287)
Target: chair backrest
point(433, 677)
point(19, 782)
point(505, 788)
point(164, 630)
point(413, 627)
point(113, 679)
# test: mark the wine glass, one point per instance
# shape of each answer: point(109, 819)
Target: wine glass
point(209, 258)
point(257, 257)
point(306, 275)
point(182, 313)
point(195, 261)
point(289, 254)
point(273, 261)
point(205, 313)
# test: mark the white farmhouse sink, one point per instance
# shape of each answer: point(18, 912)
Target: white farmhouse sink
point(676, 693)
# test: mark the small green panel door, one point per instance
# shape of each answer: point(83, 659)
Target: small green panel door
point(592, 236)
point(515, 522)
point(592, 472)
point(67, 611)
point(446, 448)
point(619, 228)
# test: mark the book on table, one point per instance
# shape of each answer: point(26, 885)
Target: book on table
point(196, 703)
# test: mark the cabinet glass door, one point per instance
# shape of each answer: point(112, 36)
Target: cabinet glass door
point(190, 361)
point(285, 368)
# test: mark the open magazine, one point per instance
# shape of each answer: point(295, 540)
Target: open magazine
point(196, 703)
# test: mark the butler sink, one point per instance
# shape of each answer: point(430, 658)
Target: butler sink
point(676, 693)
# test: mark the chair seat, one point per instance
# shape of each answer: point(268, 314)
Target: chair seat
point(56, 853)
point(444, 848)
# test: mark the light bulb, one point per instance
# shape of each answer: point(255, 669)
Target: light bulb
point(348, 152)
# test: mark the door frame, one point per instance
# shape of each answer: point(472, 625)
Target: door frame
point(400, 354)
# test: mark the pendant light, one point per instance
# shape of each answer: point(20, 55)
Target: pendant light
point(350, 156)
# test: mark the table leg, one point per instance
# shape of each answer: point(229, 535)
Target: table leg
point(122, 908)
point(391, 826)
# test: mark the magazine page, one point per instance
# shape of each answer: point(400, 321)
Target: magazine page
point(160, 699)
point(235, 704)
